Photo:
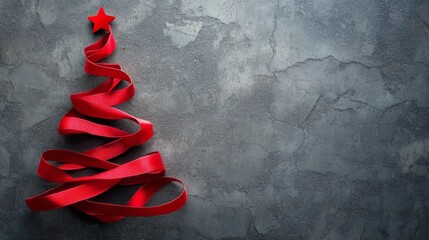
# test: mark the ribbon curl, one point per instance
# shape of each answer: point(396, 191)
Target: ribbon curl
point(147, 171)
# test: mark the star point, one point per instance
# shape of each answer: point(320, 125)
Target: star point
point(101, 20)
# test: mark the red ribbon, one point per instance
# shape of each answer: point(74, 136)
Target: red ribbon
point(147, 171)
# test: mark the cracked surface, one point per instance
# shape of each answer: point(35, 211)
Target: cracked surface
point(286, 119)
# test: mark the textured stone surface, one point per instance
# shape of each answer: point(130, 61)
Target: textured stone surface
point(304, 119)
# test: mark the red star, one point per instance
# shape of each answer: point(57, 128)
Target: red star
point(101, 20)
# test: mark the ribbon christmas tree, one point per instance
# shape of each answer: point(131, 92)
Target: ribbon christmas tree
point(147, 171)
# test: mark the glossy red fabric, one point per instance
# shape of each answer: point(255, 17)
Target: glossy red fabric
point(147, 171)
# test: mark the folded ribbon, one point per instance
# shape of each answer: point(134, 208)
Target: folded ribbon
point(147, 171)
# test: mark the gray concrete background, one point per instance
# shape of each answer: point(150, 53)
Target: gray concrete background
point(304, 119)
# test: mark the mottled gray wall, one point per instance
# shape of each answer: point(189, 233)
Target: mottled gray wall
point(304, 119)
